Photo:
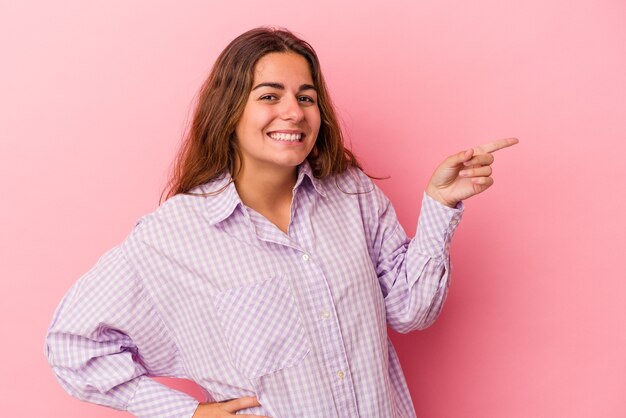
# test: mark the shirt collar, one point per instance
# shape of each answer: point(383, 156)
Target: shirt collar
point(305, 170)
point(222, 198)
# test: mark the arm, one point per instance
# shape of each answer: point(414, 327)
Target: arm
point(414, 274)
point(106, 339)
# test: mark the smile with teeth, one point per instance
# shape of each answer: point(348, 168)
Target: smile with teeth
point(279, 136)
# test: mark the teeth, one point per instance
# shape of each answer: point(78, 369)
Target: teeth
point(285, 137)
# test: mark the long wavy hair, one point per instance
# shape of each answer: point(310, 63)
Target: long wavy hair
point(210, 148)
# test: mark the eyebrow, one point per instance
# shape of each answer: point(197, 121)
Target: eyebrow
point(280, 86)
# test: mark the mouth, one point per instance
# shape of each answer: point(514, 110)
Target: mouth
point(287, 136)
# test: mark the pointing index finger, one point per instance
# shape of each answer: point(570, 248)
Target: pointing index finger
point(495, 145)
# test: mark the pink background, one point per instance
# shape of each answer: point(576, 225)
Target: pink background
point(94, 97)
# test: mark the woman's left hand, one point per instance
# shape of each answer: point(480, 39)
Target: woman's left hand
point(465, 174)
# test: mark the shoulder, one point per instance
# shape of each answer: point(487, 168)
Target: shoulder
point(171, 212)
point(351, 181)
point(354, 181)
point(179, 216)
point(354, 185)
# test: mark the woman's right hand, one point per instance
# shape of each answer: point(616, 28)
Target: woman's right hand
point(227, 409)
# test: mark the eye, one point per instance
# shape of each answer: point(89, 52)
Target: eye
point(306, 99)
point(268, 97)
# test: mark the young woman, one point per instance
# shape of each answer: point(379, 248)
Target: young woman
point(272, 270)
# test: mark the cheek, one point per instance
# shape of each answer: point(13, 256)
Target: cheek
point(253, 118)
point(259, 119)
point(243, 123)
point(315, 120)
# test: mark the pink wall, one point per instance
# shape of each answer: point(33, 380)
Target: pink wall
point(94, 97)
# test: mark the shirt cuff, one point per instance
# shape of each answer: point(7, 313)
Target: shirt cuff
point(155, 400)
point(436, 226)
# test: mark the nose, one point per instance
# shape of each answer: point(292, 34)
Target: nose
point(291, 110)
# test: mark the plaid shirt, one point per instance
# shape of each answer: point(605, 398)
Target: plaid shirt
point(207, 289)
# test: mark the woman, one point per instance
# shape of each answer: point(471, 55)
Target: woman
point(271, 272)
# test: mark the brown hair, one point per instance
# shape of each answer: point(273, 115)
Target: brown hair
point(209, 147)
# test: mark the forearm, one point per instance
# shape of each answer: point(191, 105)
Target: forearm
point(417, 276)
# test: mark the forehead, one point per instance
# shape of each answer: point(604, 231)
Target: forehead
point(282, 66)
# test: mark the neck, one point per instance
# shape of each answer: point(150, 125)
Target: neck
point(266, 188)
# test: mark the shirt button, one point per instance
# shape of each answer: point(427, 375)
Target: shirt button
point(305, 257)
point(454, 222)
point(325, 314)
point(341, 375)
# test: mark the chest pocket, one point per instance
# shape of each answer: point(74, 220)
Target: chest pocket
point(262, 326)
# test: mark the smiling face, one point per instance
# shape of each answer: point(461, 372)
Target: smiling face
point(281, 118)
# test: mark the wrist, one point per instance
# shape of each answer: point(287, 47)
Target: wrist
point(433, 193)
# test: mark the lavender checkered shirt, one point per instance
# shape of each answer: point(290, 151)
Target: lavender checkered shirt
point(207, 289)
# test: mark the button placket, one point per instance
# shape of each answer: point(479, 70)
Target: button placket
point(331, 342)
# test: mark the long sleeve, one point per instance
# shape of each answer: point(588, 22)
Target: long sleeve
point(414, 274)
point(106, 339)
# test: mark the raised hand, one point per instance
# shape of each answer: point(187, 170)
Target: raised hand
point(465, 173)
point(227, 409)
